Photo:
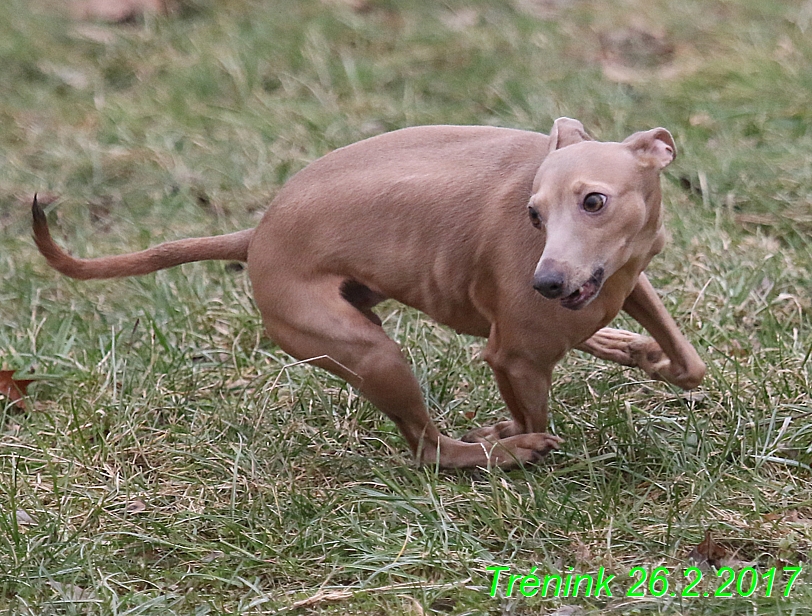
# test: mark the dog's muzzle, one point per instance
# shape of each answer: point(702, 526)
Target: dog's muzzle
point(551, 283)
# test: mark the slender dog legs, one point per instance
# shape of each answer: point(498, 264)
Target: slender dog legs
point(524, 383)
point(336, 336)
point(668, 356)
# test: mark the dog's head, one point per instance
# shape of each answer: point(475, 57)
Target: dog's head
point(599, 206)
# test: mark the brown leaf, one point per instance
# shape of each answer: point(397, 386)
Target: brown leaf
point(694, 397)
point(135, 506)
point(708, 551)
point(24, 518)
point(14, 390)
point(212, 556)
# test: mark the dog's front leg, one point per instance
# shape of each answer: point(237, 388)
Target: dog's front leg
point(683, 366)
point(668, 356)
point(524, 382)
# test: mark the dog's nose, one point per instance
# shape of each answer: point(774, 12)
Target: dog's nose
point(550, 283)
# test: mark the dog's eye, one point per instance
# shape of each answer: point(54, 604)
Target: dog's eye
point(535, 219)
point(594, 202)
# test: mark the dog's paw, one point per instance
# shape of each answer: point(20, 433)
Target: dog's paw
point(612, 345)
point(504, 453)
point(630, 349)
point(650, 358)
point(647, 355)
point(526, 448)
point(491, 434)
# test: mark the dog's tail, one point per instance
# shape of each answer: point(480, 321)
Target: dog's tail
point(230, 247)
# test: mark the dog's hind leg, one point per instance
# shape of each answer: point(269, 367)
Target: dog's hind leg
point(667, 356)
point(313, 321)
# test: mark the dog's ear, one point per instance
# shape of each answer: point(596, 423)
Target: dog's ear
point(655, 146)
point(567, 131)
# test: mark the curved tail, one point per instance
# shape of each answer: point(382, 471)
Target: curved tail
point(231, 247)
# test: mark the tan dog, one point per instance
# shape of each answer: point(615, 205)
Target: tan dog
point(436, 217)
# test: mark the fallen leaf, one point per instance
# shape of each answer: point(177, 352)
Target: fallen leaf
point(708, 551)
point(694, 397)
point(135, 506)
point(212, 556)
point(14, 390)
point(24, 519)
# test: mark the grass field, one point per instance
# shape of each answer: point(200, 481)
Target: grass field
point(172, 460)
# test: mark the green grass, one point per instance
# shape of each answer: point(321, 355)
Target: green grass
point(174, 461)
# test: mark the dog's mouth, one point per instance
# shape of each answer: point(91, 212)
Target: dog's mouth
point(585, 293)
